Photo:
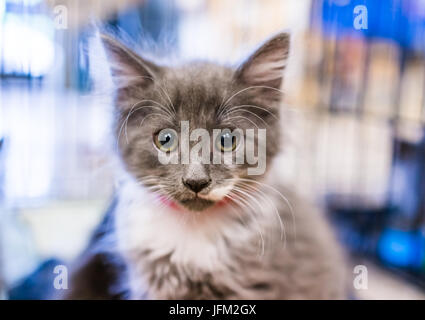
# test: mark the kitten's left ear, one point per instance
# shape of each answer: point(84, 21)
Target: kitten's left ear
point(265, 66)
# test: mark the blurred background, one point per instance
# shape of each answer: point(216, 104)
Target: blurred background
point(355, 102)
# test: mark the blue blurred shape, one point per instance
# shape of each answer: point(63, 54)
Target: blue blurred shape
point(402, 21)
point(38, 285)
point(400, 248)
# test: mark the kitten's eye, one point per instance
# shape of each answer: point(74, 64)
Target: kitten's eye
point(226, 141)
point(166, 140)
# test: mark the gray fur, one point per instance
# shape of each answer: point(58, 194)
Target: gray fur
point(255, 247)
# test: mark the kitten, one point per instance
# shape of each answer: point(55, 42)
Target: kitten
point(196, 230)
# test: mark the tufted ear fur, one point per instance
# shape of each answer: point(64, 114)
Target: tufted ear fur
point(265, 66)
point(126, 66)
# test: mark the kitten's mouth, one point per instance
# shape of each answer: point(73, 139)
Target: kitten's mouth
point(193, 204)
point(197, 203)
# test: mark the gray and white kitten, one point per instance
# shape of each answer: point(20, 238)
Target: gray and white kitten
point(176, 235)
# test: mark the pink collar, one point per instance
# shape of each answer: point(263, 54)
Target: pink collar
point(169, 203)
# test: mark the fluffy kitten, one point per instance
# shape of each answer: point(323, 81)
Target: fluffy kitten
point(205, 231)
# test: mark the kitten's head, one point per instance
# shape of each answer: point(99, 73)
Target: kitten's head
point(156, 106)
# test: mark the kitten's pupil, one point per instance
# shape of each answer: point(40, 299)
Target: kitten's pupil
point(228, 141)
point(166, 139)
point(225, 141)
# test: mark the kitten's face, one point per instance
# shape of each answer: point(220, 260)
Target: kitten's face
point(156, 105)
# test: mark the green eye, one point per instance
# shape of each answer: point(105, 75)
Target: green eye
point(226, 141)
point(166, 140)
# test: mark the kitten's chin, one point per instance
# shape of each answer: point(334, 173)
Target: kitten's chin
point(197, 204)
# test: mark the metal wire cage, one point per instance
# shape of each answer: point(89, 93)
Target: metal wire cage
point(367, 84)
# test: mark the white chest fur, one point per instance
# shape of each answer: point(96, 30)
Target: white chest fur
point(191, 239)
point(169, 250)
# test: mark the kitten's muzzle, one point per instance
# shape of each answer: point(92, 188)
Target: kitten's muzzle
point(196, 185)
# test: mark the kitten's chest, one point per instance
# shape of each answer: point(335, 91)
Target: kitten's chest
point(170, 256)
point(165, 257)
point(173, 254)
point(160, 234)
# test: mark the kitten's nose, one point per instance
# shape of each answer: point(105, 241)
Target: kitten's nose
point(197, 185)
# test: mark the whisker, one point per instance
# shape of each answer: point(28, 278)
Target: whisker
point(247, 111)
point(245, 89)
point(248, 205)
point(156, 82)
point(291, 210)
point(242, 117)
point(149, 115)
point(131, 111)
point(253, 197)
point(250, 106)
point(167, 110)
point(265, 196)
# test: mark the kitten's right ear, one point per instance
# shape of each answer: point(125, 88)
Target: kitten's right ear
point(266, 65)
point(127, 67)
